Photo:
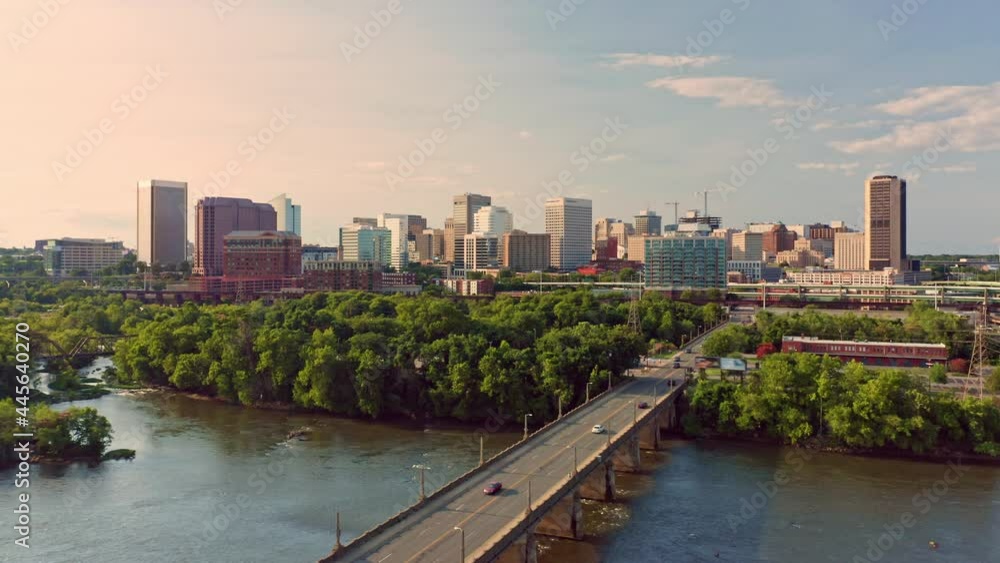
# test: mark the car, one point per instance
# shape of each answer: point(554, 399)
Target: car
point(598, 429)
point(493, 488)
point(643, 405)
point(689, 351)
point(677, 363)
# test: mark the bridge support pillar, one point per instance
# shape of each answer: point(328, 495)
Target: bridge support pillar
point(627, 457)
point(523, 550)
point(565, 520)
point(668, 418)
point(649, 435)
point(600, 484)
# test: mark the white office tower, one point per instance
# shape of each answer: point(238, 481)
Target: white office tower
point(568, 221)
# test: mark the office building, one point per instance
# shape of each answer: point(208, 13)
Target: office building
point(748, 246)
point(726, 235)
point(754, 271)
point(399, 230)
point(686, 261)
point(162, 222)
point(289, 216)
point(216, 217)
point(849, 251)
point(637, 247)
point(429, 246)
point(778, 239)
point(879, 278)
point(449, 240)
point(262, 254)
point(648, 224)
point(482, 252)
point(885, 223)
point(569, 222)
point(527, 252)
point(463, 214)
point(369, 221)
point(417, 224)
point(72, 256)
point(335, 275)
point(493, 220)
point(364, 243)
point(621, 232)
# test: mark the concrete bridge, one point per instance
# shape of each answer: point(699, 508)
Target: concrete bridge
point(544, 479)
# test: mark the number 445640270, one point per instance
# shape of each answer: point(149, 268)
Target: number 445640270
point(22, 349)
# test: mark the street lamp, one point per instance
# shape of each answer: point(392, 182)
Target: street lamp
point(526, 417)
point(460, 530)
point(588, 392)
point(574, 460)
point(422, 468)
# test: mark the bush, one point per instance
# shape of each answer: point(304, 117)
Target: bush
point(939, 374)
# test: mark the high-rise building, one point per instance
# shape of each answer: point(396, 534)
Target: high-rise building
point(885, 223)
point(527, 252)
point(161, 210)
point(687, 260)
point(648, 224)
point(493, 220)
point(726, 235)
point(370, 221)
point(216, 217)
point(289, 215)
point(622, 232)
point(429, 246)
point(262, 254)
point(364, 243)
point(849, 251)
point(748, 246)
point(449, 240)
point(694, 217)
point(482, 251)
point(463, 214)
point(779, 239)
point(636, 250)
point(569, 222)
point(69, 256)
point(603, 227)
point(417, 223)
point(399, 228)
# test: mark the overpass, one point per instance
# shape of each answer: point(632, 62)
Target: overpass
point(544, 479)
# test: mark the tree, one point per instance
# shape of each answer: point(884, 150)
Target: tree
point(939, 374)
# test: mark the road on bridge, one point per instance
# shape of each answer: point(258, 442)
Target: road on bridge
point(430, 535)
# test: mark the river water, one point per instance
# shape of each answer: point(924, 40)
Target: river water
point(218, 483)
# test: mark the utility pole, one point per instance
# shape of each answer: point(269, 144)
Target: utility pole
point(339, 545)
point(422, 468)
point(980, 350)
point(481, 439)
point(676, 205)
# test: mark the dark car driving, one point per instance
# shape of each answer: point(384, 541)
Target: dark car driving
point(493, 488)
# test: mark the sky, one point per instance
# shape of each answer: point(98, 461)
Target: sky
point(780, 108)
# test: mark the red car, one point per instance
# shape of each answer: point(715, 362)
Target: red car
point(644, 405)
point(493, 488)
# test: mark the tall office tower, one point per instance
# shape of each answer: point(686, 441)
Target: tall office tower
point(463, 214)
point(417, 225)
point(526, 252)
point(622, 232)
point(216, 217)
point(885, 223)
point(449, 240)
point(603, 228)
point(399, 228)
point(364, 243)
point(370, 221)
point(482, 251)
point(748, 246)
point(648, 224)
point(493, 220)
point(429, 246)
point(289, 215)
point(161, 210)
point(686, 260)
point(569, 222)
point(726, 235)
point(849, 251)
point(779, 239)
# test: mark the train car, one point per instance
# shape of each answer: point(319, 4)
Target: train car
point(889, 354)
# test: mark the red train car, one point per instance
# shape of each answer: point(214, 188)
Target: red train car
point(891, 354)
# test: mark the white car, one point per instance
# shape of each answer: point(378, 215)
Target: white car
point(598, 429)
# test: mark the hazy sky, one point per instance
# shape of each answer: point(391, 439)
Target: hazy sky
point(821, 89)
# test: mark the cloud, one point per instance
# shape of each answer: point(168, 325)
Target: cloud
point(618, 157)
point(624, 60)
point(967, 117)
point(730, 91)
point(847, 168)
point(868, 124)
point(963, 168)
point(525, 135)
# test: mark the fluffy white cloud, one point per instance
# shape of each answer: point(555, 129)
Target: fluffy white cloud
point(967, 118)
point(847, 168)
point(730, 91)
point(623, 60)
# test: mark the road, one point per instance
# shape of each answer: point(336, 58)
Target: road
point(429, 535)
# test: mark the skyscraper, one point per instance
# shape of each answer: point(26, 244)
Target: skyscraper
point(399, 229)
point(289, 215)
point(885, 223)
point(161, 213)
point(216, 217)
point(364, 243)
point(568, 221)
point(849, 251)
point(686, 261)
point(463, 213)
point(648, 224)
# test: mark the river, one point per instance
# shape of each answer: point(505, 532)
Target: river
point(219, 483)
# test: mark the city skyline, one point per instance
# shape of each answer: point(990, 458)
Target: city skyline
point(672, 105)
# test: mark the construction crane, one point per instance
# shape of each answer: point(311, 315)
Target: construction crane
point(676, 205)
point(705, 193)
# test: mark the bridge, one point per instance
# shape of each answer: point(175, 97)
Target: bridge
point(544, 479)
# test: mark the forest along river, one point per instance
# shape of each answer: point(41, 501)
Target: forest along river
point(220, 483)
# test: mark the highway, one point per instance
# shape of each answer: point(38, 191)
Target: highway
point(429, 535)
